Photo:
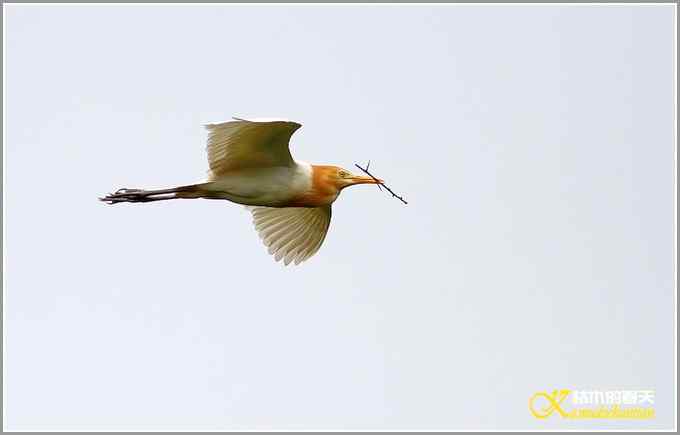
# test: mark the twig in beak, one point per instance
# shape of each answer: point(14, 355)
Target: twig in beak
point(365, 170)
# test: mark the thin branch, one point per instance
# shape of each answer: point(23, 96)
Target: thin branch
point(365, 170)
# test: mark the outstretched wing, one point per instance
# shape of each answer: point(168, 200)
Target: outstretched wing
point(292, 233)
point(240, 144)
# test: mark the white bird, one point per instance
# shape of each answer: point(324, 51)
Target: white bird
point(250, 164)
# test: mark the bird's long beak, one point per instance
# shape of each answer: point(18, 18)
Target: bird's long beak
point(360, 179)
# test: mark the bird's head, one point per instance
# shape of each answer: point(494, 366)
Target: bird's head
point(341, 178)
point(328, 181)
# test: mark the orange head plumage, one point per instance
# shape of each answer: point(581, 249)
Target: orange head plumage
point(327, 182)
point(334, 178)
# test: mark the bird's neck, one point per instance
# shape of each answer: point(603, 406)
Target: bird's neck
point(321, 191)
point(322, 182)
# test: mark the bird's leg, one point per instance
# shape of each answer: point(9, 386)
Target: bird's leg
point(115, 200)
point(139, 195)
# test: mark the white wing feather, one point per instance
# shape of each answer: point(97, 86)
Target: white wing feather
point(243, 144)
point(292, 234)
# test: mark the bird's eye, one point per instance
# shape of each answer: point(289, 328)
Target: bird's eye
point(343, 174)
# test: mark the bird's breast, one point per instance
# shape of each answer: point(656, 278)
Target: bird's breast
point(311, 199)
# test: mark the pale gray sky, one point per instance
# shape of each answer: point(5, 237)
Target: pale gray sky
point(534, 143)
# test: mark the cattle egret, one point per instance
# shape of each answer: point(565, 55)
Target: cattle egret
point(250, 164)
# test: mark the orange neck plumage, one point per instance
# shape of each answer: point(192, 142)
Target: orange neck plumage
point(323, 190)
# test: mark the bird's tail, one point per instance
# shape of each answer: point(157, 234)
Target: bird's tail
point(140, 195)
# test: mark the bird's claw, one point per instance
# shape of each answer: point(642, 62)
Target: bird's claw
point(125, 191)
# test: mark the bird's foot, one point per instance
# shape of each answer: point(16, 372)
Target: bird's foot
point(126, 195)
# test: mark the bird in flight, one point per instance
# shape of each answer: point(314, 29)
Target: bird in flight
point(250, 164)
